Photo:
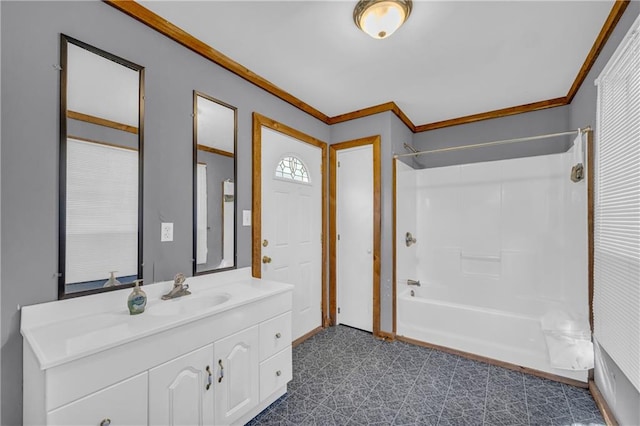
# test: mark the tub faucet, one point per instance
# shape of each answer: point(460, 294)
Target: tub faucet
point(179, 288)
point(413, 282)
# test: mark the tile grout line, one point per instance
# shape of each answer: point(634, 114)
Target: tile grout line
point(313, 376)
point(568, 404)
point(372, 386)
point(486, 396)
point(413, 385)
point(526, 404)
point(361, 361)
point(448, 389)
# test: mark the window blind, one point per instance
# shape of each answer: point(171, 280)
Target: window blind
point(102, 211)
point(202, 213)
point(617, 209)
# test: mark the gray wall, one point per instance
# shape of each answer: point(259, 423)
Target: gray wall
point(30, 108)
point(621, 395)
point(554, 120)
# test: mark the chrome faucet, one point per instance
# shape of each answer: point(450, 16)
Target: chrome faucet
point(179, 288)
point(413, 282)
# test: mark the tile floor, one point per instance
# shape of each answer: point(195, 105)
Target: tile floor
point(344, 376)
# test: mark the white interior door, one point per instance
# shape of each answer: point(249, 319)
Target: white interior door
point(354, 257)
point(292, 223)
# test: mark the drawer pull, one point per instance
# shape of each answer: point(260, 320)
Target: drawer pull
point(105, 422)
point(278, 335)
point(221, 371)
point(209, 378)
point(278, 373)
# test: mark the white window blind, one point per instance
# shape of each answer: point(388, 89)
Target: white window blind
point(102, 211)
point(617, 209)
point(201, 213)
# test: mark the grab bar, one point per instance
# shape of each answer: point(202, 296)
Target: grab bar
point(480, 257)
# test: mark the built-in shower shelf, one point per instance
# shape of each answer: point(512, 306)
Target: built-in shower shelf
point(491, 257)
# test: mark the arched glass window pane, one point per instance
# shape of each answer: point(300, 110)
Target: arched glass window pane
point(292, 168)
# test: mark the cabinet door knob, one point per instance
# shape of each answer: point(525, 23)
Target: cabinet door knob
point(105, 422)
point(221, 371)
point(278, 335)
point(278, 373)
point(209, 378)
point(266, 259)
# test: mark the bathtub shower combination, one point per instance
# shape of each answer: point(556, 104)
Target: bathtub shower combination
point(500, 252)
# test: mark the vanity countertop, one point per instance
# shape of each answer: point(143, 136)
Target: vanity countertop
point(66, 330)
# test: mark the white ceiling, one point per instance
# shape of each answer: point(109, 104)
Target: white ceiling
point(451, 58)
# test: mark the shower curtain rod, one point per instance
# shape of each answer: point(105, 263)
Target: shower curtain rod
point(502, 142)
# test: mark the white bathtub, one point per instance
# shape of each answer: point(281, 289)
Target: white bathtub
point(500, 335)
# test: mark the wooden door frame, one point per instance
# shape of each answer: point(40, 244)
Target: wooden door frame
point(260, 121)
point(377, 223)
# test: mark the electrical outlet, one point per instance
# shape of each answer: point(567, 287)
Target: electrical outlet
point(166, 231)
point(246, 217)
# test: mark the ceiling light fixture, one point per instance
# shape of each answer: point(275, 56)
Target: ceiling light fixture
point(381, 18)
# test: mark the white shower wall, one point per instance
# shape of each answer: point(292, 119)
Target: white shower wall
point(499, 245)
point(509, 235)
point(406, 211)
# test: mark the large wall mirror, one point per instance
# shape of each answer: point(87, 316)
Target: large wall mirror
point(101, 116)
point(214, 176)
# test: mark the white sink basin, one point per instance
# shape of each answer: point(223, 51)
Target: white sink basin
point(187, 304)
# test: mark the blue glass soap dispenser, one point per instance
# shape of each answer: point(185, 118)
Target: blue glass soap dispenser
point(137, 299)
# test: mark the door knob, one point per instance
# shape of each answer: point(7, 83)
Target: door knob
point(266, 259)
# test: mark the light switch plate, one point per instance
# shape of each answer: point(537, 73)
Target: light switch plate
point(246, 217)
point(166, 233)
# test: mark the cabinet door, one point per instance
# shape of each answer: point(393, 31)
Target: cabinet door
point(124, 403)
point(179, 393)
point(237, 375)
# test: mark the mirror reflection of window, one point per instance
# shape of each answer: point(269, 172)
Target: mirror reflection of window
point(202, 227)
point(102, 213)
point(100, 170)
point(215, 125)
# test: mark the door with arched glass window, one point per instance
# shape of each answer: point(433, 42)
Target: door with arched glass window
point(291, 223)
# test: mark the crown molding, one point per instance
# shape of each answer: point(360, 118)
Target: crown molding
point(149, 18)
point(609, 25)
point(156, 22)
point(504, 112)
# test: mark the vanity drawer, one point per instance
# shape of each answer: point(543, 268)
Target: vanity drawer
point(275, 373)
point(124, 403)
point(275, 335)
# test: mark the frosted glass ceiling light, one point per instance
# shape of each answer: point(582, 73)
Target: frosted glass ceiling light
point(381, 18)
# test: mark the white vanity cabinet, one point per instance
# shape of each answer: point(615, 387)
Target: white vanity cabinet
point(237, 376)
point(124, 403)
point(181, 390)
point(219, 366)
point(275, 354)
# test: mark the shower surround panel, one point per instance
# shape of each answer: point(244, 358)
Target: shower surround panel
point(499, 245)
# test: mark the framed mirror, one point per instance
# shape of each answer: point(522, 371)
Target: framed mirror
point(215, 125)
point(101, 134)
